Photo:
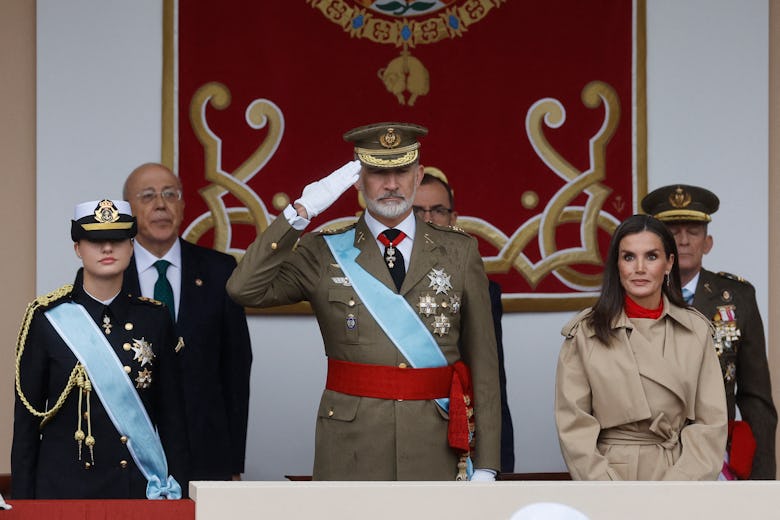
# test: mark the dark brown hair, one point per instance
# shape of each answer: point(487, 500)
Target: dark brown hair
point(610, 301)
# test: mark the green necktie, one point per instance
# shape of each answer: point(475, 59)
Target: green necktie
point(162, 288)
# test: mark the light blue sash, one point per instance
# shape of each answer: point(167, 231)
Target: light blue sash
point(390, 310)
point(116, 392)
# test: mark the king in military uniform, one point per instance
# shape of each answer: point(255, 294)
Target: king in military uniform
point(98, 412)
point(403, 307)
point(730, 303)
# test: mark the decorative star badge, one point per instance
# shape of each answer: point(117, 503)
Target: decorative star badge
point(143, 351)
point(454, 304)
point(441, 325)
point(427, 305)
point(440, 281)
point(144, 378)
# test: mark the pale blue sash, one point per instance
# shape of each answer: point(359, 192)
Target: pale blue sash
point(390, 310)
point(116, 392)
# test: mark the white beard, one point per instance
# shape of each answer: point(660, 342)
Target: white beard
point(390, 209)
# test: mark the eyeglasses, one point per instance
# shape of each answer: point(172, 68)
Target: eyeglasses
point(436, 210)
point(168, 195)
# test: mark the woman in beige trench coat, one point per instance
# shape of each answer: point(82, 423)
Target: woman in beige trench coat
point(639, 394)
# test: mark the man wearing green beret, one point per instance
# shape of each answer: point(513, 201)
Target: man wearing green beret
point(730, 303)
point(403, 307)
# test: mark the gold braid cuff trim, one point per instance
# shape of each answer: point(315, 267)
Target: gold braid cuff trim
point(21, 340)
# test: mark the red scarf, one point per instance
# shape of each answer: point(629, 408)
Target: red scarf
point(634, 310)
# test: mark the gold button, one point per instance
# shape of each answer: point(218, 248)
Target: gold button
point(86, 416)
point(123, 439)
point(402, 365)
point(123, 463)
point(351, 302)
point(127, 369)
point(444, 305)
point(274, 245)
point(87, 465)
point(330, 412)
point(128, 326)
point(127, 346)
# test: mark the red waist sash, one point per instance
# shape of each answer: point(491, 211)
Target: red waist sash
point(388, 382)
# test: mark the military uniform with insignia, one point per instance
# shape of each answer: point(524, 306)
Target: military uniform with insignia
point(730, 303)
point(65, 443)
point(362, 435)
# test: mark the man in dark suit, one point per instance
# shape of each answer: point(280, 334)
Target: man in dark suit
point(404, 312)
point(215, 350)
point(434, 202)
point(730, 303)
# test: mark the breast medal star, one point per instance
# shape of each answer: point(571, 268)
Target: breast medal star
point(144, 378)
point(440, 281)
point(143, 351)
point(441, 325)
point(427, 305)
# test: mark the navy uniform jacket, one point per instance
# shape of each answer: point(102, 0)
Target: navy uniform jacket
point(45, 461)
point(507, 430)
point(363, 438)
point(745, 369)
point(215, 362)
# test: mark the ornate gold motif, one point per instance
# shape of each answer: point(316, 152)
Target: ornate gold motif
point(261, 113)
point(387, 23)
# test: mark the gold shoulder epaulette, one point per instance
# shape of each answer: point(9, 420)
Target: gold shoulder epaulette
point(146, 299)
point(337, 231)
point(729, 276)
point(453, 229)
point(47, 299)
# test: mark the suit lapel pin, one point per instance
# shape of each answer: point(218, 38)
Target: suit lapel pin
point(179, 344)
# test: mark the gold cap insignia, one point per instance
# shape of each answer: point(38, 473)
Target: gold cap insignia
point(679, 198)
point(390, 139)
point(106, 212)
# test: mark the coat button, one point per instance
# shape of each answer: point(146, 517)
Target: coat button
point(274, 245)
point(128, 326)
point(402, 365)
point(123, 439)
point(127, 346)
point(122, 464)
point(127, 369)
point(87, 465)
point(331, 412)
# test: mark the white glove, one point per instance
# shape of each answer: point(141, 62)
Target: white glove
point(319, 195)
point(483, 475)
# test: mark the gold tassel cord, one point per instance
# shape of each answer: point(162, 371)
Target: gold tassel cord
point(43, 301)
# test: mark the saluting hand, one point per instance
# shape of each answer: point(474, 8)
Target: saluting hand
point(319, 195)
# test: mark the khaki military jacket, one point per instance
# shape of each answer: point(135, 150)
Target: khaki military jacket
point(743, 361)
point(643, 408)
point(359, 438)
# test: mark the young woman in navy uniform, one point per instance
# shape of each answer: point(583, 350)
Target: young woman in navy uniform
point(66, 440)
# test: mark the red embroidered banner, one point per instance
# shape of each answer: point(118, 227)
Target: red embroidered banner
point(535, 111)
